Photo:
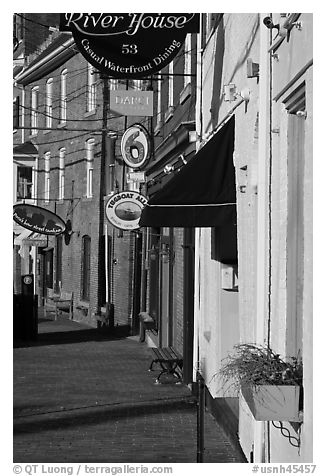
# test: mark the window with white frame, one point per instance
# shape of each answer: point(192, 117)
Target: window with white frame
point(34, 109)
point(90, 147)
point(63, 96)
point(47, 176)
point(62, 154)
point(137, 84)
point(114, 84)
point(24, 182)
point(187, 65)
point(48, 102)
point(170, 86)
point(91, 88)
point(159, 100)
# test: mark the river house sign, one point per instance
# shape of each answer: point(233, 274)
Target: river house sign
point(38, 219)
point(123, 209)
point(129, 45)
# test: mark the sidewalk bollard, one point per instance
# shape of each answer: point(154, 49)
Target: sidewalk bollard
point(200, 417)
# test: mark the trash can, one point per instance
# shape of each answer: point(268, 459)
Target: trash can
point(25, 325)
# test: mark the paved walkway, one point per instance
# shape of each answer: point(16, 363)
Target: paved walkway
point(81, 395)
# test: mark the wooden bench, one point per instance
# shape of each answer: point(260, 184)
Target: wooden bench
point(63, 302)
point(169, 359)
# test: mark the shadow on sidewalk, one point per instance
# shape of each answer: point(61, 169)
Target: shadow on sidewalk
point(98, 414)
point(71, 336)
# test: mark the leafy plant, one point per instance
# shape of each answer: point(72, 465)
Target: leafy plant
point(252, 365)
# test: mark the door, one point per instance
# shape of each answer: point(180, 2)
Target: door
point(48, 275)
point(188, 303)
point(165, 318)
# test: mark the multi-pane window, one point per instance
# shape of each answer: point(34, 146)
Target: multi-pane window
point(24, 182)
point(114, 84)
point(34, 110)
point(63, 96)
point(187, 66)
point(47, 177)
point(90, 146)
point(62, 154)
point(137, 84)
point(48, 102)
point(86, 267)
point(91, 88)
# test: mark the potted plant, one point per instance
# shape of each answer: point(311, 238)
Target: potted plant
point(271, 386)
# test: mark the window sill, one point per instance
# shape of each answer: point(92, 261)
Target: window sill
point(185, 93)
point(90, 113)
point(62, 125)
point(47, 132)
point(169, 113)
point(87, 199)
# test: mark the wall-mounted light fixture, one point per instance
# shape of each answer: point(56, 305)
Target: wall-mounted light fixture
point(168, 169)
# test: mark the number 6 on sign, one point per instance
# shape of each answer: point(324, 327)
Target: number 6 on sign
point(129, 49)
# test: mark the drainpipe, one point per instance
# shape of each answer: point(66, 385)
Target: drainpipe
point(263, 264)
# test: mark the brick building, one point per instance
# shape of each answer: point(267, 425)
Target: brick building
point(169, 266)
point(64, 114)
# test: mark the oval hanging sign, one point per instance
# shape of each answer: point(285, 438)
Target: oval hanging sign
point(38, 219)
point(123, 209)
point(129, 45)
point(135, 146)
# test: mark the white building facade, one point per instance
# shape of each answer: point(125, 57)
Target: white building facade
point(261, 77)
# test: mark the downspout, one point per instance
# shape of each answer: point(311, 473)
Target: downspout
point(199, 84)
point(263, 227)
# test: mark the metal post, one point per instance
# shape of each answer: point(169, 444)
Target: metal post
point(200, 418)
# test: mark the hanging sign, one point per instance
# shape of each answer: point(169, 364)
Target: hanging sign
point(131, 102)
point(123, 209)
point(138, 177)
point(129, 45)
point(135, 146)
point(38, 219)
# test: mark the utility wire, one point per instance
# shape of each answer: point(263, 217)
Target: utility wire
point(32, 21)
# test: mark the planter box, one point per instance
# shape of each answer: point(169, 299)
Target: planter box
point(273, 402)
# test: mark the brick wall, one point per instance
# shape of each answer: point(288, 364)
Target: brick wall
point(84, 213)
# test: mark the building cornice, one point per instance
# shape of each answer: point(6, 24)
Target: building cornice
point(47, 62)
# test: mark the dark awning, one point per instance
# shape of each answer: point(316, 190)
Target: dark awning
point(203, 193)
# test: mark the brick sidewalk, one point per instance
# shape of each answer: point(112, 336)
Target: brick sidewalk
point(83, 396)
